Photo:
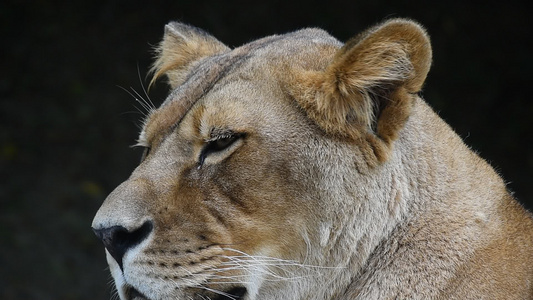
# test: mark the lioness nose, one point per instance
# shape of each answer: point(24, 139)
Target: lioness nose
point(118, 240)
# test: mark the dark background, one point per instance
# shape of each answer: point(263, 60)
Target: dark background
point(66, 126)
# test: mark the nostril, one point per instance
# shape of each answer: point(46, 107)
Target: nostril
point(118, 240)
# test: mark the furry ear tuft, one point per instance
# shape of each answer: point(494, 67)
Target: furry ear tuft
point(367, 89)
point(182, 45)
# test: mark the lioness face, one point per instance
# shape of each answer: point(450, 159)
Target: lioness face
point(222, 198)
point(243, 175)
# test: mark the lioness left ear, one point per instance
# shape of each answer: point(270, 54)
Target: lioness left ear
point(182, 45)
point(367, 90)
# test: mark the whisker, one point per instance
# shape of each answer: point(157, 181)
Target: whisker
point(273, 278)
point(277, 261)
point(144, 89)
point(146, 107)
point(233, 282)
point(271, 269)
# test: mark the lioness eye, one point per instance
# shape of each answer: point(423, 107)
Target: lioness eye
point(217, 145)
point(145, 153)
point(221, 144)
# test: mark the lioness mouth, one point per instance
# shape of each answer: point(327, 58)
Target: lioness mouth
point(135, 295)
point(236, 293)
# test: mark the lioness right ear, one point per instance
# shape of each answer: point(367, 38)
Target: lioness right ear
point(182, 45)
point(366, 92)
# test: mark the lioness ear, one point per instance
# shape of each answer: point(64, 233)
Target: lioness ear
point(367, 90)
point(181, 46)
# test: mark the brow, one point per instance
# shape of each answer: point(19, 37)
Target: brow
point(200, 81)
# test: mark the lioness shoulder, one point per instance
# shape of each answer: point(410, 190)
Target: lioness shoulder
point(298, 167)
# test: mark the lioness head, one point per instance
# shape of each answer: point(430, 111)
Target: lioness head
point(273, 170)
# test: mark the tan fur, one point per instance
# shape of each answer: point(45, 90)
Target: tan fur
point(387, 61)
point(181, 47)
point(334, 180)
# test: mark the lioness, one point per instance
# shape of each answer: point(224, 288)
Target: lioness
point(295, 167)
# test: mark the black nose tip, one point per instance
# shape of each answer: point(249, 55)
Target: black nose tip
point(118, 240)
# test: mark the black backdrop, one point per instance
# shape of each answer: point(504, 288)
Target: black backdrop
point(65, 125)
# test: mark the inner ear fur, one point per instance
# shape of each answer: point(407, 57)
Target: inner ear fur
point(366, 92)
point(182, 45)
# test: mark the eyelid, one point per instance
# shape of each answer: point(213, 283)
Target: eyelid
point(210, 144)
point(145, 148)
point(146, 151)
point(217, 134)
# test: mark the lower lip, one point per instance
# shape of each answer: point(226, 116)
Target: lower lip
point(135, 295)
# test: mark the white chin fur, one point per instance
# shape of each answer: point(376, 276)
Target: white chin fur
point(117, 275)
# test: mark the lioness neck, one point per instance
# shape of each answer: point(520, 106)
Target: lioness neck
point(440, 221)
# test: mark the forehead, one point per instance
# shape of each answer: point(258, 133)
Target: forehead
point(199, 83)
point(238, 75)
point(242, 102)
